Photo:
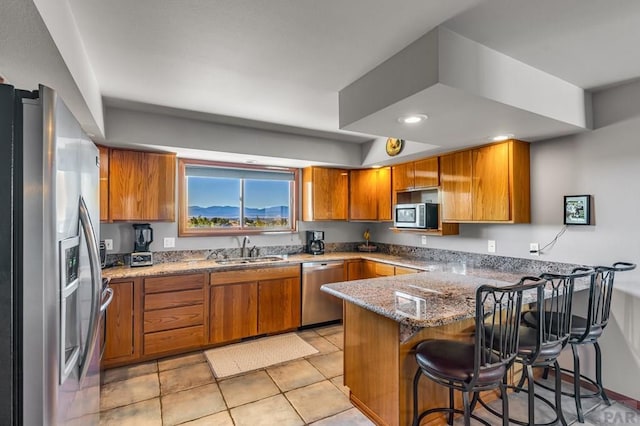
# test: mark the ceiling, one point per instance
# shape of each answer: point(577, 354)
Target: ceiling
point(281, 64)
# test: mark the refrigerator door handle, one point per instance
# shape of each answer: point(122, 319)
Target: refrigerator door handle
point(109, 294)
point(94, 263)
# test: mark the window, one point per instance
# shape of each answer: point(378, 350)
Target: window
point(223, 198)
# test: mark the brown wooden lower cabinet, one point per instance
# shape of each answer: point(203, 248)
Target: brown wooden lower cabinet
point(174, 313)
point(278, 305)
point(119, 322)
point(233, 312)
point(249, 302)
point(373, 269)
point(354, 269)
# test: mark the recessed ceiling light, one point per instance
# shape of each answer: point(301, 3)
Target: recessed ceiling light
point(504, 137)
point(250, 161)
point(376, 166)
point(412, 118)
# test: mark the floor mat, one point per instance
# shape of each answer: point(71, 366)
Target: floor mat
point(247, 356)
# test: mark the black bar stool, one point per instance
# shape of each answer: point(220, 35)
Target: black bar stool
point(587, 331)
point(482, 365)
point(544, 332)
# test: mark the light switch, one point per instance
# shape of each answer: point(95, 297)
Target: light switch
point(424, 239)
point(491, 246)
point(108, 244)
point(169, 242)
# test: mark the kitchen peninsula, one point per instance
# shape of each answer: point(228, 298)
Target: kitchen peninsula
point(385, 318)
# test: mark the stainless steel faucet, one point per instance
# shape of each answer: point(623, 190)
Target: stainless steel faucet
point(243, 251)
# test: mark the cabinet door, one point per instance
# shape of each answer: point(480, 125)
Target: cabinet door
point(403, 176)
point(104, 183)
point(426, 173)
point(119, 322)
point(125, 185)
point(363, 197)
point(159, 200)
point(384, 194)
point(141, 185)
point(233, 312)
point(354, 270)
point(490, 184)
point(278, 305)
point(455, 180)
point(325, 194)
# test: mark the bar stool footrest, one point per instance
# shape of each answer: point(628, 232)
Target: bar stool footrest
point(521, 422)
point(448, 411)
point(571, 394)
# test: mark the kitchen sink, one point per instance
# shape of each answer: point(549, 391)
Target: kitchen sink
point(245, 260)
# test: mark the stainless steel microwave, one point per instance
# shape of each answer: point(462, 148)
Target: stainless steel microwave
point(416, 215)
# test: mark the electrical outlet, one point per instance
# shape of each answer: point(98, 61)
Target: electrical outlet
point(491, 246)
point(423, 239)
point(169, 242)
point(534, 249)
point(108, 244)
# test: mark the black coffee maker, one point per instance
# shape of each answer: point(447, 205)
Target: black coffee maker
point(315, 242)
point(143, 237)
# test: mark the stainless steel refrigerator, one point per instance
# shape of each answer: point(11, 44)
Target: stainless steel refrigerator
point(52, 297)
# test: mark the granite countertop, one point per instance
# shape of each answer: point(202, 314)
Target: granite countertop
point(428, 299)
point(201, 265)
point(444, 293)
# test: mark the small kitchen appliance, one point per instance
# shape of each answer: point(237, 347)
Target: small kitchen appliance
point(143, 237)
point(416, 215)
point(315, 242)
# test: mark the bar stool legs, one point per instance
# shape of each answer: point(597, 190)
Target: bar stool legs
point(576, 383)
point(577, 380)
point(603, 394)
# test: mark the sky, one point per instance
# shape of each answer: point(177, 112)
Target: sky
point(226, 192)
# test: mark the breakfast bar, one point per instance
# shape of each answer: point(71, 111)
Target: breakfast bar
point(385, 318)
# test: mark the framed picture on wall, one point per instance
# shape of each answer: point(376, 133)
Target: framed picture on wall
point(577, 209)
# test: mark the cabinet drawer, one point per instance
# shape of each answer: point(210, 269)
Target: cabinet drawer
point(173, 283)
point(383, 269)
point(168, 319)
point(400, 270)
point(172, 340)
point(253, 274)
point(173, 299)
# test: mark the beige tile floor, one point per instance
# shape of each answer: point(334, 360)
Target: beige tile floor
point(182, 390)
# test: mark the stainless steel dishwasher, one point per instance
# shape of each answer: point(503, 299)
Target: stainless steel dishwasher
point(318, 306)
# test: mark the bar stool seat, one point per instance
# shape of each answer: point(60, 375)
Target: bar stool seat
point(579, 326)
point(456, 360)
point(529, 345)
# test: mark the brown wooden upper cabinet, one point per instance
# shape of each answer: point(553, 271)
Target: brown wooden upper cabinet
point(325, 194)
point(416, 175)
point(486, 184)
point(141, 186)
point(370, 194)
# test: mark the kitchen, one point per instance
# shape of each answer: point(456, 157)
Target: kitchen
point(599, 162)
